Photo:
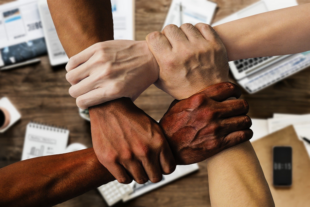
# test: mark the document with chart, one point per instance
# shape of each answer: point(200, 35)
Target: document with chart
point(42, 140)
point(21, 34)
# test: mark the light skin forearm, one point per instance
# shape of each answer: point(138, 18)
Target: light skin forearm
point(280, 32)
point(236, 179)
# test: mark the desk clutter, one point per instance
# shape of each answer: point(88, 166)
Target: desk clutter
point(293, 195)
point(301, 124)
point(28, 31)
point(9, 114)
point(43, 140)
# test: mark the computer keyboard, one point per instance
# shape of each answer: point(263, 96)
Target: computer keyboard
point(114, 191)
point(245, 64)
point(279, 71)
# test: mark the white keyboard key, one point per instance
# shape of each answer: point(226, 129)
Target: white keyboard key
point(114, 192)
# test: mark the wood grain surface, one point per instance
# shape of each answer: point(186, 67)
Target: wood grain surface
point(40, 93)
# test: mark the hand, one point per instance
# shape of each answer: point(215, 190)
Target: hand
point(125, 139)
point(111, 70)
point(205, 124)
point(190, 58)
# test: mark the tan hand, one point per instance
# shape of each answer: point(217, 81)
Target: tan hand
point(190, 58)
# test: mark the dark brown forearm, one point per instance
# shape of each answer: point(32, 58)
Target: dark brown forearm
point(49, 180)
point(81, 23)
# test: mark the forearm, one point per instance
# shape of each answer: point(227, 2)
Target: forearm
point(280, 32)
point(49, 180)
point(82, 23)
point(236, 178)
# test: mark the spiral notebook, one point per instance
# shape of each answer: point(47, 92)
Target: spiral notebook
point(43, 140)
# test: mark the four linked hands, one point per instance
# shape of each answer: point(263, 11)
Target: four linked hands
point(189, 63)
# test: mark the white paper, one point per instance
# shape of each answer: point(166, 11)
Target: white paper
point(279, 4)
point(19, 22)
point(194, 11)
point(259, 128)
point(42, 140)
point(256, 8)
point(56, 52)
point(123, 18)
point(278, 116)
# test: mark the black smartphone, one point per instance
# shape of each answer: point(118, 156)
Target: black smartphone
point(282, 166)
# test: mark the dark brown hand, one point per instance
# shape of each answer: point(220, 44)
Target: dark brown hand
point(205, 124)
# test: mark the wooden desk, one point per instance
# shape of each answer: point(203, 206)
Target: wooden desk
point(41, 94)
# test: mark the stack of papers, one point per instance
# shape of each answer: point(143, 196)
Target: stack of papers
point(194, 11)
point(301, 124)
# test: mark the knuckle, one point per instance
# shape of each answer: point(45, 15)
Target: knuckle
point(104, 74)
point(153, 36)
point(70, 78)
point(197, 100)
point(98, 46)
point(211, 145)
point(144, 152)
point(215, 128)
point(73, 92)
point(213, 113)
point(81, 103)
point(124, 180)
point(187, 26)
point(156, 179)
point(230, 85)
point(205, 27)
point(246, 105)
point(169, 169)
point(170, 62)
point(127, 155)
point(169, 28)
point(141, 180)
point(248, 121)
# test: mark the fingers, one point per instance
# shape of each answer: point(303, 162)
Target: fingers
point(237, 138)
point(81, 57)
point(82, 87)
point(94, 98)
point(207, 32)
point(167, 161)
point(137, 172)
point(192, 33)
point(119, 173)
point(175, 35)
point(158, 43)
point(78, 74)
point(222, 91)
point(234, 124)
point(233, 108)
point(153, 169)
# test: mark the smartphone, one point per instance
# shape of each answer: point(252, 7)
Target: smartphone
point(282, 166)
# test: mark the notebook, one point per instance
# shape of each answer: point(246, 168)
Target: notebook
point(298, 194)
point(43, 140)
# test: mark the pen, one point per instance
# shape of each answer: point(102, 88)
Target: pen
point(181, 14)
point(306, 140)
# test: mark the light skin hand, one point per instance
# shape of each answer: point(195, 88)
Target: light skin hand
point(205, 124)
point(111, 70)
point(190, 58)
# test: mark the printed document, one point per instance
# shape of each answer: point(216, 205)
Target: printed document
point(194, 11)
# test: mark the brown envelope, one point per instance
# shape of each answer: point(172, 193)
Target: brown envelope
point(299, 194)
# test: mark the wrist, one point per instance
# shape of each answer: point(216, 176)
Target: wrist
point(152, 63)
